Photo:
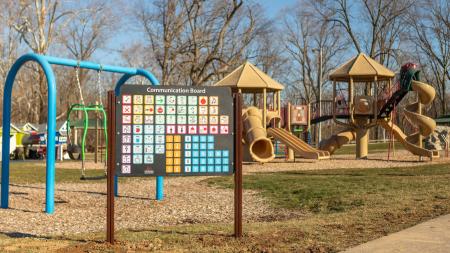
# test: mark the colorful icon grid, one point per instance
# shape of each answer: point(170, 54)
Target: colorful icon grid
point(173, 154)
point(154, 125)
point(201, 156)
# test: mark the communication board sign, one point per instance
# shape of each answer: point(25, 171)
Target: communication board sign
point(174, 130)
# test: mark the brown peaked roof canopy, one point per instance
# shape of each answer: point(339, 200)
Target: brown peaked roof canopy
point(361, 68)
point(247, 77)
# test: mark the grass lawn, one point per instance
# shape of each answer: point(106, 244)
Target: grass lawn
point(33, 172)
point(373, 148)
point(335, 209)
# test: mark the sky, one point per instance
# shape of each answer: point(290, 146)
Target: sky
point(111, 54)
point(273, 7)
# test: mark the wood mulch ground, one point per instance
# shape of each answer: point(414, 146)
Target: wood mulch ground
point(81, 208)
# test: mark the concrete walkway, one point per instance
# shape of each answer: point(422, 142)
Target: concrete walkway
point(431, 236)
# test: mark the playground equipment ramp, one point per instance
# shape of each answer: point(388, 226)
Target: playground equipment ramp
point(300, 147)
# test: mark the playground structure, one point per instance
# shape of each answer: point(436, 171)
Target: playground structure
point(262, 119)
point(45, 62)
point(364, 78)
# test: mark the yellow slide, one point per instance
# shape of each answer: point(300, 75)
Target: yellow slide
point(399, 135)
point(426, 124)
point(336, 141)
point(300, 147)
point(257, 144)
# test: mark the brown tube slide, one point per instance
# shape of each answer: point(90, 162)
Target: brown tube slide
point(336, 141)
point(255, 135)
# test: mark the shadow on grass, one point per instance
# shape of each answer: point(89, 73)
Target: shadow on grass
point(278, 161)
point(93, 178)
point(19, 193)
point(398, 161)
point(24, 235)
point(20, 235)
point(323, 173)
point(62, 190)
point(137, 198)
point(78, 191)
point(25, 210)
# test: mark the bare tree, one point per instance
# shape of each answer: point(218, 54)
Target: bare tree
point(37, 22)
point(200, 40)
point(163, 26)
point(431, 37)
point(373, 26)
point(305, 31)
point(88, 31)
point(268, 54)
point(138, 55)
point(8, 39)
point(9, 45)
point(217, 35)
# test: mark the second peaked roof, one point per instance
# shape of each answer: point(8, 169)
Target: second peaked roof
point(361, 68)
point(249, 77)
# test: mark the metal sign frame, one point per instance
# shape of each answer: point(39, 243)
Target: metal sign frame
point(174, 131)
point(237, 166)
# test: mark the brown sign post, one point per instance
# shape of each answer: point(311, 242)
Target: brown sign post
point(112, 163)
point(111, 167)
point(238, 165)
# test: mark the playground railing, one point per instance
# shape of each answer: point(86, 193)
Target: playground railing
point(327, 109)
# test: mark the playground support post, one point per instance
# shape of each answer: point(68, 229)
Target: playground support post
point(264, 112)
point(290, 152)
point(238, 166)
point(362, 140)
point(159, 188)
point(45, 62)
point(319, 89)
point(51, 129)
point(279, 106)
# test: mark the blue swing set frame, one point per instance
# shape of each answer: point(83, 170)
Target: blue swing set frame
point(45, 62)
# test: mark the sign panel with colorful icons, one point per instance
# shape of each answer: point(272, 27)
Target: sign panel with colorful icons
point(174, 130)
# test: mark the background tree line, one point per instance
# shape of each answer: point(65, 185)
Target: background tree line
point(196, 42)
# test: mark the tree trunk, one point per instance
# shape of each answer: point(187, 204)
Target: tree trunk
point(43, 113)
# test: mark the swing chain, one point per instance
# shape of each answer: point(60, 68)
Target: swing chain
point(99, 87)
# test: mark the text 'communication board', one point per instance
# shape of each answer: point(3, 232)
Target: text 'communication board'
point(173, 130)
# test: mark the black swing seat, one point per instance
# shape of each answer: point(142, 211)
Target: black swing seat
point(74, 151)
